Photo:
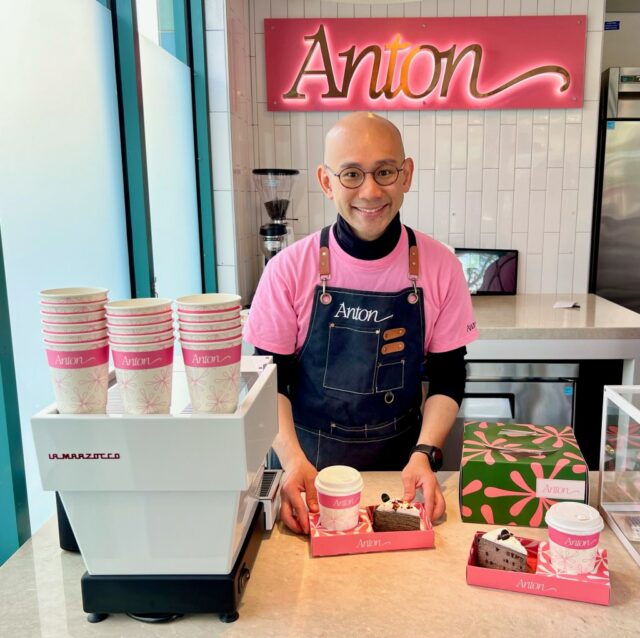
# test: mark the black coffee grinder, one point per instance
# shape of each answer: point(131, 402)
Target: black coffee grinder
point(274, 186)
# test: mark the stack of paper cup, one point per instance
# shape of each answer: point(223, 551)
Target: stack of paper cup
point(211, 340)
point(75, 337)
point(141, 340)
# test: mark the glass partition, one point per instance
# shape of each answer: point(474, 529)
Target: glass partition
point(62, 214)
point(620, 465)
point(173, 204)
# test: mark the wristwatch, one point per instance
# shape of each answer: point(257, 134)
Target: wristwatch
point(433, 453)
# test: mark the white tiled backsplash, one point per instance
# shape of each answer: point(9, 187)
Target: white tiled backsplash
point(518, 179)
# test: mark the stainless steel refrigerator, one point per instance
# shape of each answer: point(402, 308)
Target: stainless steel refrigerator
point(615, 254)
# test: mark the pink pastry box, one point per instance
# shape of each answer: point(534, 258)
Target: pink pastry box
point(362, 539)
point(593, 587)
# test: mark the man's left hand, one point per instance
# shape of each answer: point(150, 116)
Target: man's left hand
point(418, 473)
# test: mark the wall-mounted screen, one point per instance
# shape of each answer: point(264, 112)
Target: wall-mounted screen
point(489, 271)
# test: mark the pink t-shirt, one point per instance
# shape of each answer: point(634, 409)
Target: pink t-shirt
point(281, 309)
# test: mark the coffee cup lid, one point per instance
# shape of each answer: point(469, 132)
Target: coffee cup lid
point(574, 518)
point(339, 479)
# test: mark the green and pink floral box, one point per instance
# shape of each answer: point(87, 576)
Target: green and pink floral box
point(512, 473)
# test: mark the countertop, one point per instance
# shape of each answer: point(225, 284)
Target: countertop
point(534, 317)
point(291, 594)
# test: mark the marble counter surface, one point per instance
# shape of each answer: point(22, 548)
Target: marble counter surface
point(534, 317)
point(291, 594)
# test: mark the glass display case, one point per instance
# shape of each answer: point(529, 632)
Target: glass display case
point(619, 487)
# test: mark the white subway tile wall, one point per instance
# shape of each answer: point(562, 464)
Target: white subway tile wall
point(518, 179)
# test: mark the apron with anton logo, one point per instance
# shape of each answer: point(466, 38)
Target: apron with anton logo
point(358, 396)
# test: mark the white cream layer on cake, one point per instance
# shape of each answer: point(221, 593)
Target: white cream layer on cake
point(511, 542)
point(402, 507)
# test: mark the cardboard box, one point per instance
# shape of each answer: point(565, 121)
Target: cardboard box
point(593, 587)
point(362, 539)
point(510, 474)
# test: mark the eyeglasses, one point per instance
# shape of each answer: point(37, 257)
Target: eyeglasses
point(353, 177)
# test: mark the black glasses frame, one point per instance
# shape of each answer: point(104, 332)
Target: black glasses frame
point(364, 175)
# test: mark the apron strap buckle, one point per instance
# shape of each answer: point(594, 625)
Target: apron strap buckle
point(325, 297)
point(413, 296)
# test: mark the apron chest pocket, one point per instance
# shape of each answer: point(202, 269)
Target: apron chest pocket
point(352, 356)
point(390, 376)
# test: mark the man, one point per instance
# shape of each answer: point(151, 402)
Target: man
point(349, 314)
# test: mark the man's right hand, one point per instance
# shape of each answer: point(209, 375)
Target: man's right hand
point(299, 478)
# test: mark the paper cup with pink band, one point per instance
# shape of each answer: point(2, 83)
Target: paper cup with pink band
point(209, 326)
point(574, 534)
point(339, 488)
point(144, 373)
point(73, 295)
point(74, 337)
point(211, 302)
point(142, 329)
point(74, 328)
point(80, 376)
point(213, 374)
point(221, 335)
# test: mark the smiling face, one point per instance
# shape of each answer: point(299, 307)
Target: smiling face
point(367, 142)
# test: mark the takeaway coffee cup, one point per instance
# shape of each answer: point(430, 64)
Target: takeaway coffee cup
point(213, 374)
point(144, 375)
point(80, 376)
point(140, 307)
point(142, 329)
point(73, 295)
point(574, 533)
point(339, 488)
point(211, 302)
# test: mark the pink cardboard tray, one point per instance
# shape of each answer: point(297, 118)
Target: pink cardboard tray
point(593, 587)
point(362, 539)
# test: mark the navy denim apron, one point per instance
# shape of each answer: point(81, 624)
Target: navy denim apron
point(358, 395)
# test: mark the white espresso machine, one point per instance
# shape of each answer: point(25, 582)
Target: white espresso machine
point(167, 510)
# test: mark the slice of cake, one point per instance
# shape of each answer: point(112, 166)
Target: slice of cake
point(500, 549)
point(395, 516)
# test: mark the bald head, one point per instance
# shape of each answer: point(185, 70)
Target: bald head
point(362, 130)
point(367, 145)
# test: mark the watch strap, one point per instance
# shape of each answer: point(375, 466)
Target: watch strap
point(433, 453)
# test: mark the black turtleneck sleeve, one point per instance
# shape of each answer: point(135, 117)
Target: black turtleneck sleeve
point(287, 365)
point(446, 373)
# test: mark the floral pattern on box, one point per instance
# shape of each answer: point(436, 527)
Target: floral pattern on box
point(512, 473)
point(600, 572)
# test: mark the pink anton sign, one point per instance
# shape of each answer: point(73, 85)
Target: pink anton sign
point(425, 63)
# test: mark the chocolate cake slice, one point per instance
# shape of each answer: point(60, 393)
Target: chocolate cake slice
point(395, 516)
point(500, 549)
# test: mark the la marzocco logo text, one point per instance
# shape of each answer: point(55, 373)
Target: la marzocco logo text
point(84, 456)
